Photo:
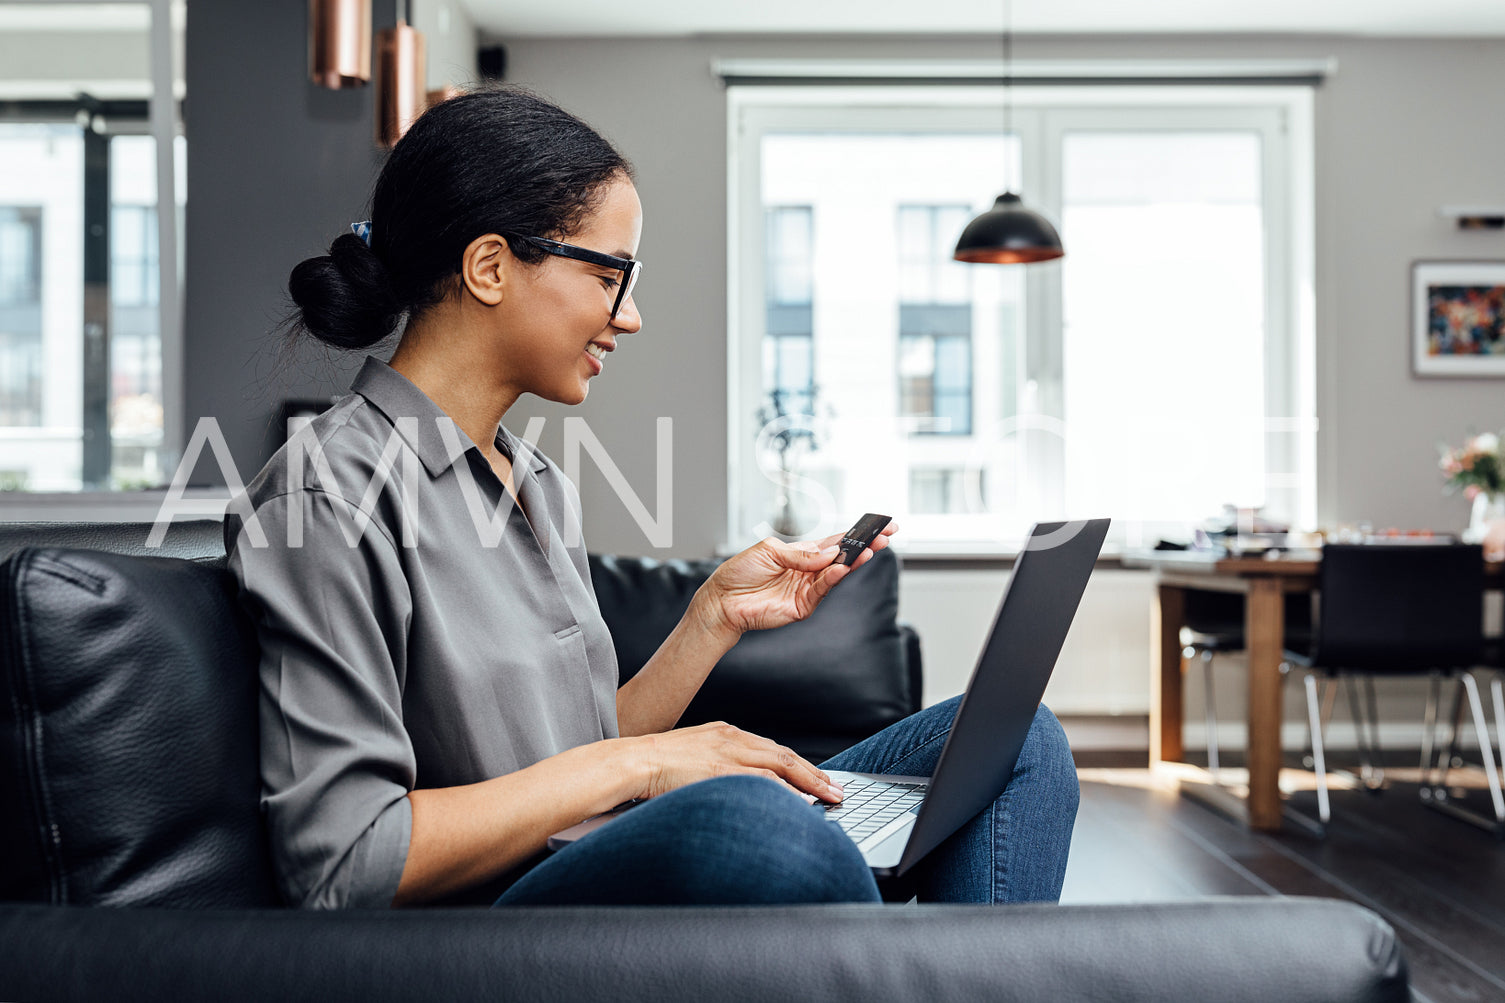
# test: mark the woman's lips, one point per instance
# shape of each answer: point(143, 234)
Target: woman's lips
point(597, 363)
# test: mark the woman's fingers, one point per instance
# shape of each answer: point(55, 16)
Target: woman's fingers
point(799, 772)
point(742, 751)
point(802, 557)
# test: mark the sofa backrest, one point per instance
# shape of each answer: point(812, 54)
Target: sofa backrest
point(128, 702)
point(128, 775)
point(817, 686)
point(194, 539)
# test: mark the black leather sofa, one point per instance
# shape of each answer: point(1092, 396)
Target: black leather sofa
point(133, 865)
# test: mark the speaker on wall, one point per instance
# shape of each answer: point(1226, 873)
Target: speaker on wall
point(492, 61)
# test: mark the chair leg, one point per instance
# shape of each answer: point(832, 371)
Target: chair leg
point(1314, 727)
point(1366, 766)
point(1434, 790)
point(1451, 756)
point(1212, 715)
point(1497, 691)
point(1486, 752)
point(1329, 700)
point(1429, 729)
point(1374, 732)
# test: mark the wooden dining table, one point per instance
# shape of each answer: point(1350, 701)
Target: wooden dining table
point(1264, 581)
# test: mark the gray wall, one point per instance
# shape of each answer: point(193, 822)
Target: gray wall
point(278, 168)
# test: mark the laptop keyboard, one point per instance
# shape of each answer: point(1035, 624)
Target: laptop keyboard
point(870, 805)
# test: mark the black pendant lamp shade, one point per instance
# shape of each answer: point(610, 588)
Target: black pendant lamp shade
point(1009, 234)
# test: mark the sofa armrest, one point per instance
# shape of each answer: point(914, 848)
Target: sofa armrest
point(914, 665)
point(1231, 949)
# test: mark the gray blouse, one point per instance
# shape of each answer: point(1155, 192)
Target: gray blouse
point(417, 629)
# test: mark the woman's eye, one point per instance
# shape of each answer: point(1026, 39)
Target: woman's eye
point(611, 282)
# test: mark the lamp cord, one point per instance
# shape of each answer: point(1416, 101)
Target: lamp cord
point(1008, 84)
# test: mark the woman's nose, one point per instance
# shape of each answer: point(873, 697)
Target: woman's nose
point(628, 320)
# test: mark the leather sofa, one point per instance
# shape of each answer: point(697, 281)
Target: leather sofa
point(133, 864)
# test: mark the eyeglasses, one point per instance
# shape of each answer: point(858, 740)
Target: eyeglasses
point(629, 267)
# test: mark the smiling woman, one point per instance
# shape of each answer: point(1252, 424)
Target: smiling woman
point(439, 689)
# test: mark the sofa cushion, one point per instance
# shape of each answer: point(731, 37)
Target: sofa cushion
point(818, 685)
point(128, 726)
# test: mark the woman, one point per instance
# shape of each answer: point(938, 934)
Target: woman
point(439, 691)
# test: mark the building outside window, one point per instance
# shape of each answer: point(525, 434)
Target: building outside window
point(935, 322)
point(20, 321)
point(788, 345)
point(44, 170)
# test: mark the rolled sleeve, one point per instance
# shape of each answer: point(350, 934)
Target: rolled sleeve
point(336, 762)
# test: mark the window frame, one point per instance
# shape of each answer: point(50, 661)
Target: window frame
point(1282, 113)
point(149, 105)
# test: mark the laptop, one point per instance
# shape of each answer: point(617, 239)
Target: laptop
point(896, 820)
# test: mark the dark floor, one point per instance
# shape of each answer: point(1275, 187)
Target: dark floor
point(1438, 881)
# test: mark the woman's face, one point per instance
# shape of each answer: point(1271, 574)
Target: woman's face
point(559, 311)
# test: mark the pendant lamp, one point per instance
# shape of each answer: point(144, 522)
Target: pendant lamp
point(1009, 233)
point(400, 79)
point(339, 43)
point(441, 94)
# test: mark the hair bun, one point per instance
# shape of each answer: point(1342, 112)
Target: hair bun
point(345, 297)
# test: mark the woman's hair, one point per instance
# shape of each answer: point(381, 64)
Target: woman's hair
point(499, 160)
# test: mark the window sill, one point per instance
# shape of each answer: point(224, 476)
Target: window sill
point(973, 558)
point(107, 506)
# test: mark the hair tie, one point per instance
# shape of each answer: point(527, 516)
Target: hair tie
point(362, 230)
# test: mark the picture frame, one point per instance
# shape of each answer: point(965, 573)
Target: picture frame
point(1458, 318)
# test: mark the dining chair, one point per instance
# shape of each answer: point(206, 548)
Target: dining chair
point(1393, 610)
point(1214, 625)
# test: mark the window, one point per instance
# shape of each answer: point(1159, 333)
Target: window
point(85, 329)
point(20, 319)
point(788, 344)
point(935, 322)
point(133, 254)
point(1161, 370)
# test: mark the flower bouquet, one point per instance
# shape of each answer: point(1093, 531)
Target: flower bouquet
point(1477, 470)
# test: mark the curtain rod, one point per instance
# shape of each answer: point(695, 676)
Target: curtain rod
point(1053, 73)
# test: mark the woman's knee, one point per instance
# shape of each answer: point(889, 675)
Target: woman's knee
point(750, 839)
point(1047, 754)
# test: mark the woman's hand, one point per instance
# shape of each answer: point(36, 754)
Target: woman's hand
point(685, 755)
point(773, 583)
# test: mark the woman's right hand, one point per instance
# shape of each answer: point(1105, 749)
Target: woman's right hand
point(685, 755)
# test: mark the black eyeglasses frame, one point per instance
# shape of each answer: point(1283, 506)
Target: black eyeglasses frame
point(629, 267)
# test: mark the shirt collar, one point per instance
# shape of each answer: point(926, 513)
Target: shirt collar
point(395, 396)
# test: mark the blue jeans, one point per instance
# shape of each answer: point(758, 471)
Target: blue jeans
point(747, 840)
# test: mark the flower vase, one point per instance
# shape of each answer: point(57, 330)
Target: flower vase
point(1486, 524)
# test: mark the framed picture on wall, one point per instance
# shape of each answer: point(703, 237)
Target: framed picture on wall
point(1458, 318)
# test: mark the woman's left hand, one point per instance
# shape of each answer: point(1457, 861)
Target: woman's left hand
point(773, 583)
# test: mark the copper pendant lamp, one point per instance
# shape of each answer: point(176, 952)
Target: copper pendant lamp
point(441, 94)
point(339, 43)
point(400, 79)
point(1009, 233)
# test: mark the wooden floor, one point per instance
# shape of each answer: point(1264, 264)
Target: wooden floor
point(1438, 881)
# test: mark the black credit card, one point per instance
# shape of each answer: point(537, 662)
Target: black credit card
point(855, 540)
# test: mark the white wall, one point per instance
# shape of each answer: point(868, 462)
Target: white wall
point(450, 42)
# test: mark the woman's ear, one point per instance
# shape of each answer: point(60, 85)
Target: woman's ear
point(485, 266)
